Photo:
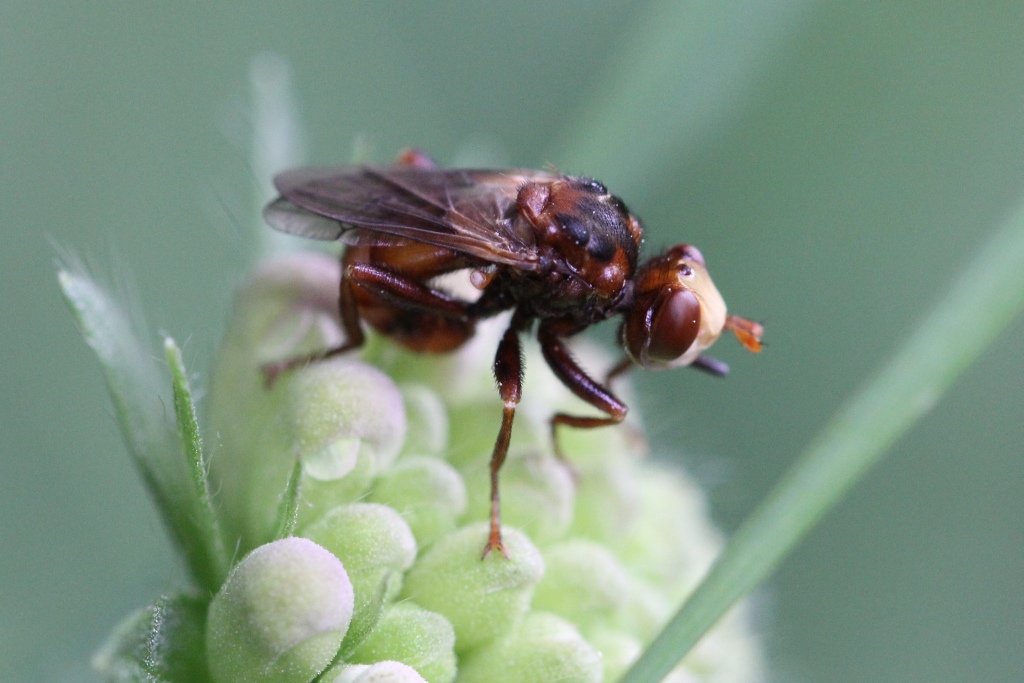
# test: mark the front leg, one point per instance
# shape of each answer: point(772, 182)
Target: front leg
point(711, 366)
point(580, 383)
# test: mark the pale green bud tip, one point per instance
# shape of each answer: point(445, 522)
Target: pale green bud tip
point(381, 672)
point(427, 421)
point(537, 490)
point(280, 616)
point(619, 650)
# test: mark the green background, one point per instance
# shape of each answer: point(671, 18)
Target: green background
point(837, 163)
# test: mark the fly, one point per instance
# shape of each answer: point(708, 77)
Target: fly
point(554, 249)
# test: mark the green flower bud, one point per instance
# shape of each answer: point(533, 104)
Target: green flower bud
point(280, 616)
point(428, 493)
point(347, 424)
point(583, 582)
point(411, 635)
point(427, 418)
point(608, 498)
point(645, 612)
point(481, 598)
point(472, 436)
point(347, 408)
point(618, 650)
point(376, 547)
point(541, 648)
point(381, 672)
point(672, 558)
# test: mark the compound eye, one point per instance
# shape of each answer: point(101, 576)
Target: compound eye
point(658, 334)
point(674, 326)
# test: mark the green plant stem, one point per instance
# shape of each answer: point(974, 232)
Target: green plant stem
point(988, 294)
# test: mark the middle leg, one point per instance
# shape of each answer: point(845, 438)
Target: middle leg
point(566, 368)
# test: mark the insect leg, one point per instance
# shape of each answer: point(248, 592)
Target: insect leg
point(580, 383)
point(508, 371)
point(620, 368)
point(399, 290)
point(416, 158)
point(403, 291)
point(710, 365)
point(349, 314)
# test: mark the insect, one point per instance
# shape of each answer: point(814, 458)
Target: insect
point(559, 251)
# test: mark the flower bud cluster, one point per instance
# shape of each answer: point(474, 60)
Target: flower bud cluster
point(379, 576)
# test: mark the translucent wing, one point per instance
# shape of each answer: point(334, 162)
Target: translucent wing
point(471, 211)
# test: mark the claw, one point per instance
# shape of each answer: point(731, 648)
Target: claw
point(271, 371)
point(494, 543)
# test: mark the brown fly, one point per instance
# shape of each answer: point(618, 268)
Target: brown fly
point(551, 248)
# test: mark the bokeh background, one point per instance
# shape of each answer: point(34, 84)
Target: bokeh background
point(837, 163)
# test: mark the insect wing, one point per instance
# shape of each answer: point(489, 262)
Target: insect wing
point(282, 215)
point(469, 211)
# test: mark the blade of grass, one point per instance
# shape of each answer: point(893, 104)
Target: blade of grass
point(205, 553)
point(981, 303)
